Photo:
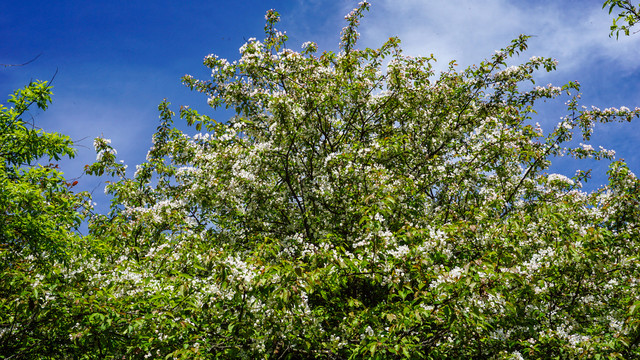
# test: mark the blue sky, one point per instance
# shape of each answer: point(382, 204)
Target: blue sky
point(117, 60)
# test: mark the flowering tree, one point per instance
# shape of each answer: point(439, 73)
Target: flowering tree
point(359, 205)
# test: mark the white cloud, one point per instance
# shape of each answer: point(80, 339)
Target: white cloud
point(469, 31)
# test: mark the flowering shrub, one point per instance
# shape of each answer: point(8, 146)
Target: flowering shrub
point(359, 205)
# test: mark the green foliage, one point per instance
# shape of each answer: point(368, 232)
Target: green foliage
point(357, 205)
point(628, 13)
point(37, 207)
point(38, 216)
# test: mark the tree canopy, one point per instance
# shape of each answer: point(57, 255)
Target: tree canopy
point(357, 205)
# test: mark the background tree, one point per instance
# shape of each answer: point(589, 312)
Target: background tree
point(34, 196)
point(39, 214)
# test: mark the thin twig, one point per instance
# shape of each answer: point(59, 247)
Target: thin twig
point(23, 64)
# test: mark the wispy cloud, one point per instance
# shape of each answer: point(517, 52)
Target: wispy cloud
point(466, 30)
